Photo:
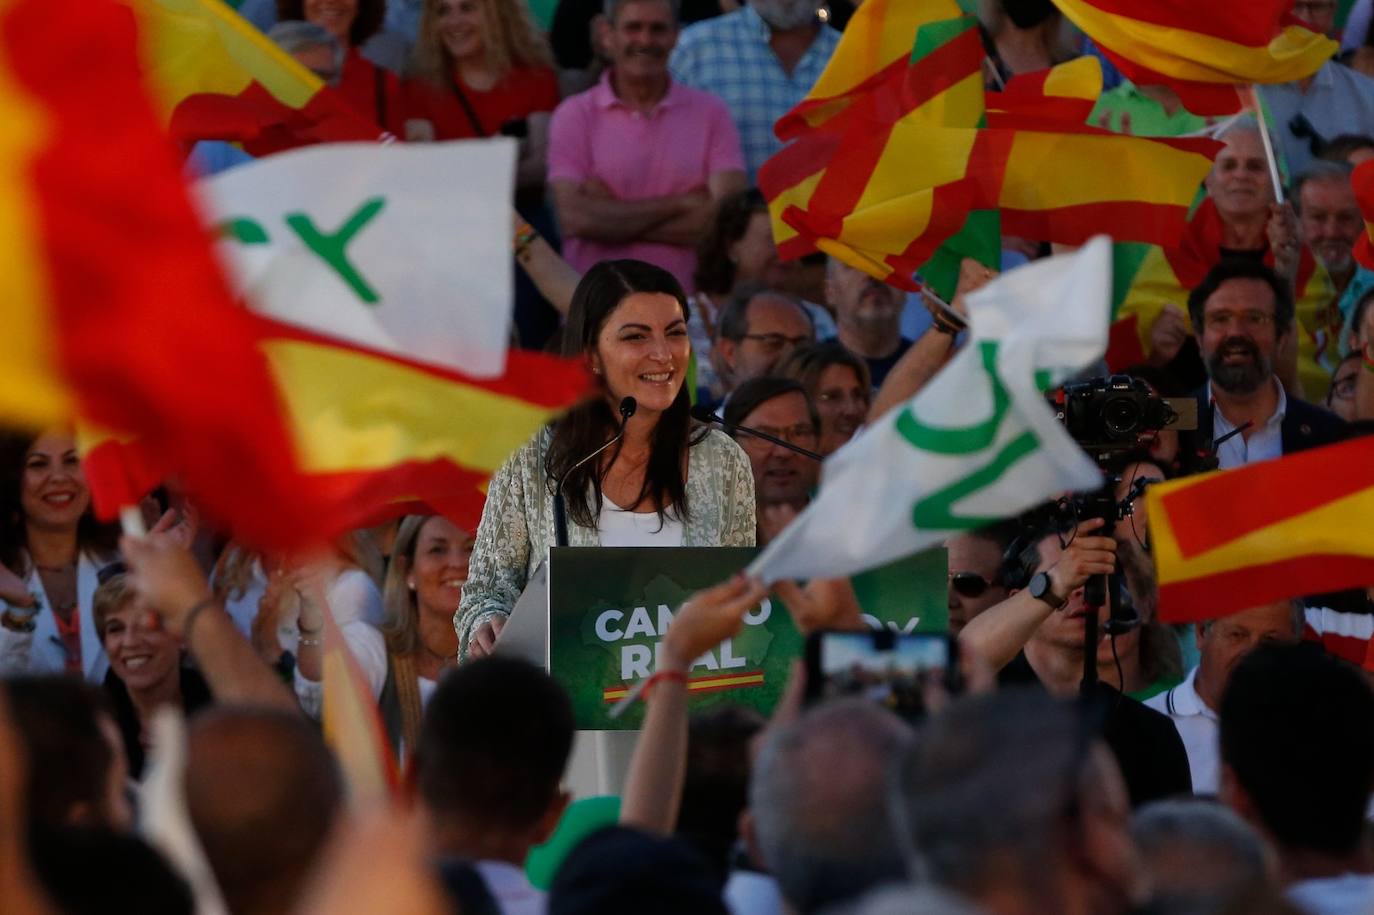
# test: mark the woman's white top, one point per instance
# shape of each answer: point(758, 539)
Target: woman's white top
point(618, 527)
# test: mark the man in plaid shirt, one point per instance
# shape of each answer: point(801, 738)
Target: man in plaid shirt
point(762, 60)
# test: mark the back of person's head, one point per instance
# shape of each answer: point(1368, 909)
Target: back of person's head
point(818, 802)
point(716, 788)
point(262, 790)
point(1199, 855)
point(1297, 747)
point(619, 869)
point(97, 871)
point(495, 740)
point(1007, 790)
point(68, 736)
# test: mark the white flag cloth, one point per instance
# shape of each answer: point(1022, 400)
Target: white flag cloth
point(978, 443)
point(404, 248)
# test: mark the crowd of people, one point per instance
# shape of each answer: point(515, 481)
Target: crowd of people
point(1220, 767)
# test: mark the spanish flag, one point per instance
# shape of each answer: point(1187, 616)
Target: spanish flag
point(1240, 538)
point(941, 87)
point(875, 52)
point(1202, 50)
point(1363, 181)
point(215, 77)
point(1166, 274)
point(114, 307)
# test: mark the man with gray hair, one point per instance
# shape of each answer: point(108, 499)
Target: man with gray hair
point(1193, 705)
point(1199, 855)
point(1009, 800)
point(818, 817)
point(1331, 224)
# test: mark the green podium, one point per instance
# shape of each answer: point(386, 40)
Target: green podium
point(594, 618)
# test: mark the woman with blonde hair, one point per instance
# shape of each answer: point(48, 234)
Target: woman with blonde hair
point(417, 643)
point(482, 68)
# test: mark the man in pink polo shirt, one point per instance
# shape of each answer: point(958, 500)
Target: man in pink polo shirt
point(638, 162)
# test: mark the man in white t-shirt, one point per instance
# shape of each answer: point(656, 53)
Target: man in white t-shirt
point(1193, 703)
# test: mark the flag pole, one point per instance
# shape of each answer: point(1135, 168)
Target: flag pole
point(131, 520)
point(1268, 145)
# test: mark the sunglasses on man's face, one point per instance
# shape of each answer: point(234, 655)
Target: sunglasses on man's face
point(969, 584)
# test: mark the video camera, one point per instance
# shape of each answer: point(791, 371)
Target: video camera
point(1112, 413)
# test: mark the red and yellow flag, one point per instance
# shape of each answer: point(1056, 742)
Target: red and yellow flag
point(215, 77)
point(114, 307)
point(1363, 181)
point(1240, 538)
point(1202, 50)
point(874, 53)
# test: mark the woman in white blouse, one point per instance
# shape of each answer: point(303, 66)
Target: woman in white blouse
point(667, 482)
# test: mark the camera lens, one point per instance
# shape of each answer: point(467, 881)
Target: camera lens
point(1121, 416)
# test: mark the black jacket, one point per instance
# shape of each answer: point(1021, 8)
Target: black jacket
point(1304, 425)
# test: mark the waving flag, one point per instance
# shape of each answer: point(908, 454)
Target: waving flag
point(942, 85)
point(977, 444)
point(114, 308)
point(1363, 181)
point(1202, 50)
point(1309, 534)
point(384, 313)
point(216, 77)
point(875, 52)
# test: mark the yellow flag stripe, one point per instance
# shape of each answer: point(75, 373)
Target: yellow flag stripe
point(354, 412)
point(1181, 54)
point(195, 46)
point(32, 392)
point(1339, 528)
point(1047, 170)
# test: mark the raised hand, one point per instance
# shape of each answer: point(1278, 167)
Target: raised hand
point(708, 618)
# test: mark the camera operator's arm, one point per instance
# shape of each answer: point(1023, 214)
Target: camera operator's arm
point(999, 632)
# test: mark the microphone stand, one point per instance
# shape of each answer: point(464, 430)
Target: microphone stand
point(560, 509)
point(704, 415)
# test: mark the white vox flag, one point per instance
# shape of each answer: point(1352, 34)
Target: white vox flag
point(403, 248)
point(978, 443)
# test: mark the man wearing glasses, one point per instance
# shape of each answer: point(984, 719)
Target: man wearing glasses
point(975, 561)
point(868, 316)
point(783, 479)
point(1244, 311)
point(758, 328)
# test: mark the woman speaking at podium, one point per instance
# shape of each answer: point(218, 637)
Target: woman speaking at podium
point(665, 481)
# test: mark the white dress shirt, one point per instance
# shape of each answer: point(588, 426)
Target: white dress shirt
point(1262, 444)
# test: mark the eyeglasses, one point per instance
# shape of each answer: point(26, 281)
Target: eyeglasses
point(800, 434)
point(1254, 320)
point(1342, 388)
point(843, 398)
point(774, 343)
point(968, 584)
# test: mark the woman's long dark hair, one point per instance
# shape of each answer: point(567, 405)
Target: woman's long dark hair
point(90, 533)
point(587, 426)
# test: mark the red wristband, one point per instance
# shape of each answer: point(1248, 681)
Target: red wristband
point(674, 675)
point(1368, 358)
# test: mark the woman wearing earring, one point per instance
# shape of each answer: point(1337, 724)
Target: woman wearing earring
point(51, 548)
point(667, 482)
point(403, 661)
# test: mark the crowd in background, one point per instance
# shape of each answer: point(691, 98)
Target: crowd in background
point(1220, 767)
